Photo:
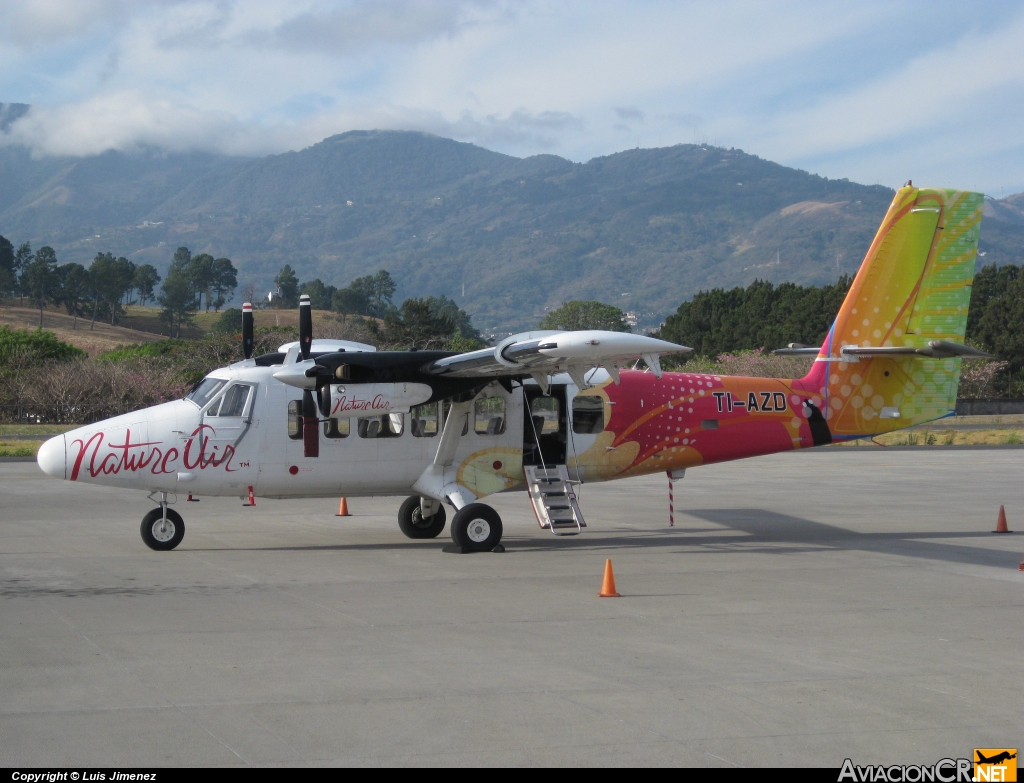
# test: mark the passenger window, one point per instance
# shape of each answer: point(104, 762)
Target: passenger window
point(336, 428)
point(587, 414)
point(233, 402)
point(489, 415)
point(423, 420)
point(545, 414)
point(295, 419)
point(387, 426)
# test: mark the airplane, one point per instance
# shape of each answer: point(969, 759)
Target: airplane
point(996, 759)
point(542, 411)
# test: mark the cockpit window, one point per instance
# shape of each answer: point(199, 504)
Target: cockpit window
point(205, 391)
point(233, 402)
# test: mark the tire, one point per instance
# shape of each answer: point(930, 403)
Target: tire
point(412, 523)
point(162, 540)
point(476, 528)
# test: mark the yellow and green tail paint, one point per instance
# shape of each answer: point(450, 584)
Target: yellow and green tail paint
point(913, 289)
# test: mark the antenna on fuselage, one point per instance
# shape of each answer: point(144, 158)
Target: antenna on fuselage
point(247, 339)
point(310, 419)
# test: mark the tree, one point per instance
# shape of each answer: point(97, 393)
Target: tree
point(350, 302)
point(111, 279)
point(178, 297)
point(1001, 325)
point(251, 293)
point(200, 272)
point(443, 306)
point(225, 281)
point(38, 278)
point(22, 258)
point(8, 278)
point(288, 286)
point(577, 315)
point(320, 294)
point(72, 290)
point(762, 315)
point(145, 281)
point(230, 322)
point(414, 326)
point(378, 290)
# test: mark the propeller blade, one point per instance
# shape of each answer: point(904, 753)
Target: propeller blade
point(325, 399)
point(247, 331)
point(305, 325)
point(310, 426)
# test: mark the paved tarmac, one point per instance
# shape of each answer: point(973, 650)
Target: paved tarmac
point(806, 608)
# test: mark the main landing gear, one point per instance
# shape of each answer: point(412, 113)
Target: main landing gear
point(475, 527)
point(162, 528)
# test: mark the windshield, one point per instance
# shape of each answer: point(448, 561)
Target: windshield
point(205, 391)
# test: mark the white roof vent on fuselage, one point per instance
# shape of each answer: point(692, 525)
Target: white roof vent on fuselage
point(291, 350)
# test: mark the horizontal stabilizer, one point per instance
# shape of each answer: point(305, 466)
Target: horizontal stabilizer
point(935, 349)
point(797, 349)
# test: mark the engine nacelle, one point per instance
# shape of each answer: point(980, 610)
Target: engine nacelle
point(376, 399)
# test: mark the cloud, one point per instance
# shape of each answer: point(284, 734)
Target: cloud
point(31, 22)
point(364, 23)
point(129, 120)
point(629, 113)
point(844, 89)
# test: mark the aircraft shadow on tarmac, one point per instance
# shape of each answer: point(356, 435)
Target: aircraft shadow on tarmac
point(764, 532)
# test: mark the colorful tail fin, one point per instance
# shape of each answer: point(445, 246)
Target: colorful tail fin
point(912, 290)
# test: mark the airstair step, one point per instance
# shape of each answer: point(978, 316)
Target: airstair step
point(554, 500)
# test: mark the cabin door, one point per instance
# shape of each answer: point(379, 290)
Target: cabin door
point(545, 427)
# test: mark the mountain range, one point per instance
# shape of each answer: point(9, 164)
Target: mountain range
point(507, 238)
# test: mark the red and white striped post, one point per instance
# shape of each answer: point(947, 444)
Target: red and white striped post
point(672, 476)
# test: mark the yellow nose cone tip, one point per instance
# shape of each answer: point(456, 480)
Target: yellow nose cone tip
point(52, 457)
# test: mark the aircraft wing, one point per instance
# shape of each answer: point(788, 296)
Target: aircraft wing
point(542, 353)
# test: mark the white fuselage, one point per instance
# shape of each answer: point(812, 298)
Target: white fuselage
point(181, 447)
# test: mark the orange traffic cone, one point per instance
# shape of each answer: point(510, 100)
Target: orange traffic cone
point(343, 509)
point(1001, 524)
point(608, 586)
point(191, 499)
point(252, 499)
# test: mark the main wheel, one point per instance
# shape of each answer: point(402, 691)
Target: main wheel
point(415, 525)
point(476, 527)
point(162, 535)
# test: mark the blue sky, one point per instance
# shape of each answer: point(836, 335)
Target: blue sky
point(876, 92)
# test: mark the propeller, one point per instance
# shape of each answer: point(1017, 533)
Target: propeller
point(247, 338)
point(310, 426)
point(305, 326)
point(324, 385)
point(310, 419)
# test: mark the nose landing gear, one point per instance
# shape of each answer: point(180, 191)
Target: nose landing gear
point(162, 528)
point(415, 524)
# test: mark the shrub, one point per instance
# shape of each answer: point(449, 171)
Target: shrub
point(35, 346)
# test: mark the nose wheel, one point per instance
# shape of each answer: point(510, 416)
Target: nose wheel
point(162, 532)
point(414, 524)
point(476, 527)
